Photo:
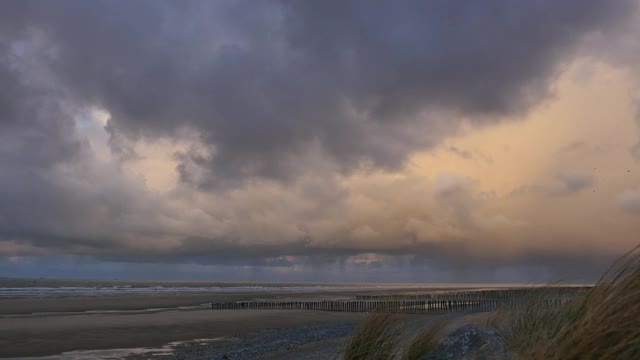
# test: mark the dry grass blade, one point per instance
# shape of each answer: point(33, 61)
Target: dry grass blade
point(603, 324)
point(609, 325)
point(376, 338)
point(538, 323)
point(497, 319)
point(425, 342)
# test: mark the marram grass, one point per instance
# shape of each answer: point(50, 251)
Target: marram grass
point(425, 342)
point(602, 323)
point(376, 338)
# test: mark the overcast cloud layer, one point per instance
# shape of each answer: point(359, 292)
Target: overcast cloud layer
point(287, 135)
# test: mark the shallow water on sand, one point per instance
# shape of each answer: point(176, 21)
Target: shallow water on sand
point(121, 354)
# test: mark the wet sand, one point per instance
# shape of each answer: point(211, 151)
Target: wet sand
point(40, 326)
point(47, 335)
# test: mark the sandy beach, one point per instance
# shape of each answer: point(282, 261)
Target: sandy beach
point(36, 326)
point(49, 325)
point(39, 326)
point(47, 335)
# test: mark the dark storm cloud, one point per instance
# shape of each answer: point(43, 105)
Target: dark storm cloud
point(535, 269)
point(426, 265)
point(28, 117)
point(259, 81)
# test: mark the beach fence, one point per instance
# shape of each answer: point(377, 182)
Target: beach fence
point(442, 302)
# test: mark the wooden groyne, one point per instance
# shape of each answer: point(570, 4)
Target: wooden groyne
point(460, 301)
point(483, 294)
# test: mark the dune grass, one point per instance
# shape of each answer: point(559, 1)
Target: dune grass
point(425, 342)
point(537, 323)
point(602, 324)
point(497, 319)
point(376, 338)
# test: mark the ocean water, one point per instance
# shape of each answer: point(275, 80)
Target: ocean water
point(156, 289)
point(54, 287)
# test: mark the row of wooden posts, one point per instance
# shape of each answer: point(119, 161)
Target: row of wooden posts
point(499, 294)
point(433, 303)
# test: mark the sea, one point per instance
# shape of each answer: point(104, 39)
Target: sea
point(14, 287)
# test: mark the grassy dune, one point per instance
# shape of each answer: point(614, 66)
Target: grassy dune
point(604, 323)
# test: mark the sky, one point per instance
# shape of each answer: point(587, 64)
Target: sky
point(413, 141)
